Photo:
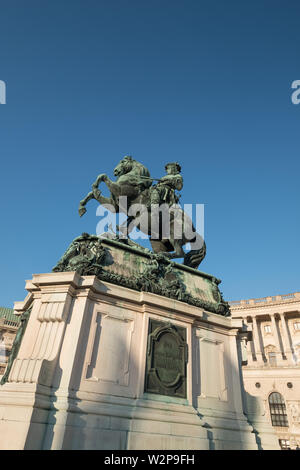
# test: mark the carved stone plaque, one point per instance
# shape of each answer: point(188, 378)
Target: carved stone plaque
point(166, 359)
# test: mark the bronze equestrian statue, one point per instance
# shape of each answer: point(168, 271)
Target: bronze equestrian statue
point(134, 186)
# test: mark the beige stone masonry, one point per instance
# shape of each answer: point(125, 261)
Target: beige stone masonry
point(78, 379)
point(275, 318)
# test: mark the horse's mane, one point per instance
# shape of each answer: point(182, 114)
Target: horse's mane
point(142, 170)
point(136, 167)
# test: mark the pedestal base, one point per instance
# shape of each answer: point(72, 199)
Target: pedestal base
point(78, 381)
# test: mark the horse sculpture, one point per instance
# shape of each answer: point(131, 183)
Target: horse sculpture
point(135, 184)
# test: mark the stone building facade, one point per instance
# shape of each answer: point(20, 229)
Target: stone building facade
point(9, 323)
point(271, 365)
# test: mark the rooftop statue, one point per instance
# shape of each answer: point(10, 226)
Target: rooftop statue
point(170, 230)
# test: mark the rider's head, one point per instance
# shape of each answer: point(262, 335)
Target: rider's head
point(173, 168)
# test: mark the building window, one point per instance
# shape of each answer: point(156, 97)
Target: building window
point(267, 328)
point(284, 444)
point(278, 410)
point(297, 326)
point(272, 359)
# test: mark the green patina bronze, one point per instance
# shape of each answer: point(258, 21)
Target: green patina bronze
point(127, 264)
point(134, 182)
point(157, 274)
point(167, 354)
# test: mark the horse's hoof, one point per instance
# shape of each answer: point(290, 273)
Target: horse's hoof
point(82, 211)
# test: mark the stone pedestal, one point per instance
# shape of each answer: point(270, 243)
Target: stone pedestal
point(78, 381)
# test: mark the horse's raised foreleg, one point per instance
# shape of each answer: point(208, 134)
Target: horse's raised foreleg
point(95, 194)
point(95, 190)
point(105, 201)
point(83, 202)
point(114, 188)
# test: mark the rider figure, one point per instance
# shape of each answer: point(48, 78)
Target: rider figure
point(164, 191)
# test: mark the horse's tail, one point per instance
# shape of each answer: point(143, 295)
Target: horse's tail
point(194, 257)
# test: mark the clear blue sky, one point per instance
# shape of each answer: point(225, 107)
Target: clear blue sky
point(207, 83)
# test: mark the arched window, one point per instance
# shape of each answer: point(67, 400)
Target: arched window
point(278, 410)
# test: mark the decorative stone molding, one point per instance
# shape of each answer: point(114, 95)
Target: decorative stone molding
point(51, 315)
point(101, 366)
point(91, 255)
point(273, 301)
point(213, 348)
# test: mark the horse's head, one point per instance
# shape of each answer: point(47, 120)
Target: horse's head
point(124, 166)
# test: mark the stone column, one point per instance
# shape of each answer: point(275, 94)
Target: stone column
point(286, 340)
point(276, 337)
point(256, 340)
point(249, 346)
point(249, 354)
